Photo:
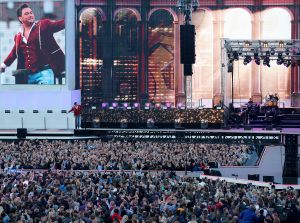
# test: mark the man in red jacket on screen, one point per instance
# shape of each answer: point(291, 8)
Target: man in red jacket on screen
point(77, 114)
point(38, 55)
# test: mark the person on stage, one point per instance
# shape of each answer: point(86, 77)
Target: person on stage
point(38, 55)
point(77, 114)
point(250, 102)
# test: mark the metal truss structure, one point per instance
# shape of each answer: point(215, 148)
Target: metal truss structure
point(198, 136)
point(286, 52)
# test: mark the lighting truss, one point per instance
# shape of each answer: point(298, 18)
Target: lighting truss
point(286, 52)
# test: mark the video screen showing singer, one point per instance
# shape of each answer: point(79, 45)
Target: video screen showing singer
point(40, 60)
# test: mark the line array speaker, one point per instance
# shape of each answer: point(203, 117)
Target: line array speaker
point(187, 44)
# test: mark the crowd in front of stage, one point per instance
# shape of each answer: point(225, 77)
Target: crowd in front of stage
point(58, 194)
point(76, 196)
point(115, 155)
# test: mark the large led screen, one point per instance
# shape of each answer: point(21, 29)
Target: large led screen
point(32, 42)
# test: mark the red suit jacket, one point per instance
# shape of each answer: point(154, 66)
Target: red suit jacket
point(41, 48)
point(76, 110)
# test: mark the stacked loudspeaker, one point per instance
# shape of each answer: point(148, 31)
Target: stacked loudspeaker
point(21, 133)
point(187, 48)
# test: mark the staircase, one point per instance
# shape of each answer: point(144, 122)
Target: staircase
point(289, 120)
point(285, 119)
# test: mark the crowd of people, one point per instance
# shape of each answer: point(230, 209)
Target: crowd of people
point(92, 197)
point(189, 116)
point(116, 155)
point(64, 184)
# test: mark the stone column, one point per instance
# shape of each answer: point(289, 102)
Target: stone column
point(295, 94)
point(218, 26)
point(256, 69)
point(179, 78)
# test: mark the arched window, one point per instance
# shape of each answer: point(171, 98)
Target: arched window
point(276, 78)
point(161, 82)
point(237, 25)
point(90, 56)
point(125, 64)
point(203, 68)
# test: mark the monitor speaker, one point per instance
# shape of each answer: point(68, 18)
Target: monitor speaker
point(187, 44)
point(268, 179)
point(21, 133)
point(253, 177)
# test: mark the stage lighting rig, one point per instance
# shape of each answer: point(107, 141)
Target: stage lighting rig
point(187, 7)
point(286, 52)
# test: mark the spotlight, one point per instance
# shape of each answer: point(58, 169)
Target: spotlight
point(287, 52)
point(114, 105)
point(195, 4)
point(279, 61)
point(125, 105)
point(147, 105)
point(104, 105)
point(169, 104)
point(229, 55)
point(287, 63)
point(257, 61)
point(247, 59)
point(157, 105)
point(256, 58)
point(235, 55)
point(272, 51)
point(267, 61)
point(136, 105)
